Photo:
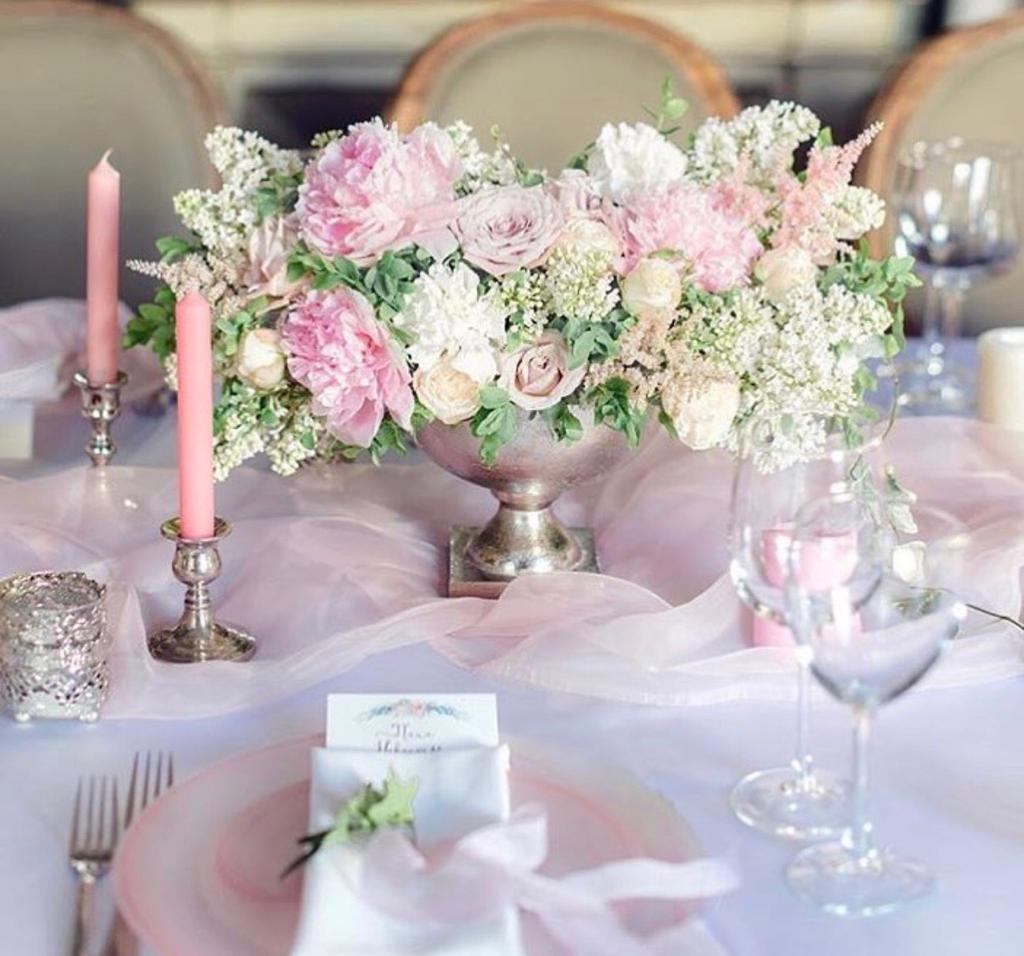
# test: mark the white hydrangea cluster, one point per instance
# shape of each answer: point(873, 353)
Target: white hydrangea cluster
point(856, 212)
point(580, 283)
point(239, 437)
point(223, 219)
point(760, 136)
point(796, 358)
point(449, 316)
point(497, 168)
point(297, 442)
point(524, 295)
point(631, 160)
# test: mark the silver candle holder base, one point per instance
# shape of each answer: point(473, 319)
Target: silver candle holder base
point(101, 404)
point(198, 635)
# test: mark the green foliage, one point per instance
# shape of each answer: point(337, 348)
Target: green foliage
point(385, 284)
point(670, 109)
point(154, 324)
point(564, 425)
point(172, 248)
point(613, 408)
point(231, 328)
point(278, 195)
point(370, 809)
point(595, 341)
point(494, 423)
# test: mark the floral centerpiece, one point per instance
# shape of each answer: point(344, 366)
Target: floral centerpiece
point(393, 278)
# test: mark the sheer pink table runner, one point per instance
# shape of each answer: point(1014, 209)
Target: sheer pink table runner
point(341, 563)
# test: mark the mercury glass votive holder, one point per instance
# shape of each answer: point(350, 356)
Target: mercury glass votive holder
point(53, 646)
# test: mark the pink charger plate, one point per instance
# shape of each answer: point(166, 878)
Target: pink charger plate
point(198, 872)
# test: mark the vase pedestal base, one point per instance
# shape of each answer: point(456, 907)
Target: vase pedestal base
point(465, 580)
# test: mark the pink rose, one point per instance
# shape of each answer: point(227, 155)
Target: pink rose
point(374, 190)
point(716, 244)
point(538, 376)
point(345, 357)
point(505, 228)
point(270, 245)
point(578, 196)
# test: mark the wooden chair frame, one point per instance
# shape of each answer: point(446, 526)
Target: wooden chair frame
point(196, 85)
point(700, 69)
point(899, 98)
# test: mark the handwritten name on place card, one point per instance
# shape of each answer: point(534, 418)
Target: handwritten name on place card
point(413, 723)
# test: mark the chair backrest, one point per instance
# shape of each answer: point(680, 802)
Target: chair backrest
point(75, 80)
point(968, 83)
point(550, 74)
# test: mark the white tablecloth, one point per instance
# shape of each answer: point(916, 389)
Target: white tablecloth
point(949, 781)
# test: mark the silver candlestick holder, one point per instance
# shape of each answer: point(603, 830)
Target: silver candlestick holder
point(101, 404)
point(198, 635)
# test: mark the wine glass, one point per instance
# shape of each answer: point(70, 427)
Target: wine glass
point(957, 213)
point(770, 487)
point(870, 637)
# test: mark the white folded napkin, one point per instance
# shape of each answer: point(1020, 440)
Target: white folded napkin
point(459, 791)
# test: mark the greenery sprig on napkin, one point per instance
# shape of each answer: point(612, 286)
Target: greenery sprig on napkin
point(369, 810)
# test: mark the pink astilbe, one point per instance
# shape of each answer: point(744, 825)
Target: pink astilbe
point(803, 205)
point(717, 246)
point(346, 358)
point(738, 199)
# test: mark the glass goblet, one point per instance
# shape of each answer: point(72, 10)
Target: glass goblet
point(772, 483)
point(870, 638)
point(958, 214)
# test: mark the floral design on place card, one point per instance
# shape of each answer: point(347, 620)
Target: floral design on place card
point(411, 723)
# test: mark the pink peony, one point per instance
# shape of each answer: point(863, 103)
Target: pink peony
point(270, 245)
point(508, 227)
point(345, 357)
point(718, 247)
point(374, 190)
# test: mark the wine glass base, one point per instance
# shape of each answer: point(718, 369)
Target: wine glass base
point(782, 803)
point(833, 878)
point(932, 386)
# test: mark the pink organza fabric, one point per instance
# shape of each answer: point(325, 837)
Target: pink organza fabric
point(340, 563)
point(496, 865)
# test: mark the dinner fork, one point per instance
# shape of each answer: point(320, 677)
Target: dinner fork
point(149, 778)
point(95, 828)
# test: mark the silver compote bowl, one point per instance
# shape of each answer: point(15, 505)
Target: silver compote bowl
point(530, 473)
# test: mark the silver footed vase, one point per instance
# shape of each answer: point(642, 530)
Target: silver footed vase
point(531, 471)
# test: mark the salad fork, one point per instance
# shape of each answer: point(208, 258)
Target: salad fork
point(95, 828)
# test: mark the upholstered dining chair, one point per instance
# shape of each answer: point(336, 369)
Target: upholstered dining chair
point(77, 79)
point(549, 74)
point(967, 83)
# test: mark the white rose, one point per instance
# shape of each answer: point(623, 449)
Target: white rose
point(782, 270)
point(452, 396)
point(702, 403)
point(261, 359)
point(589, 235)
point(653, 287)
point(634, 160)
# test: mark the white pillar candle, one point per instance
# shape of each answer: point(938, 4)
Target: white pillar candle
point(1001, 377)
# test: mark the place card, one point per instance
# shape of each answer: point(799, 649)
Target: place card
point(411, 723)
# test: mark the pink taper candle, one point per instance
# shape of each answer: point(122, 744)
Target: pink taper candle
point(195, 416)
point(103, 205)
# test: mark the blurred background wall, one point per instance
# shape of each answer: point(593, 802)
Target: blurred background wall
point(292, 67)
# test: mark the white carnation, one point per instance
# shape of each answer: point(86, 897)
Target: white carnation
point(634, 160)
point(449, 318)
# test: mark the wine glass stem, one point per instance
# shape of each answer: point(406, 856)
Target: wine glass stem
point(803, 761)
point(951, 299)
point(931, 325)
point(859, 837)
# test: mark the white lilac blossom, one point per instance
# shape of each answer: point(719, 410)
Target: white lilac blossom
point(580, 283)
point(448, 314)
